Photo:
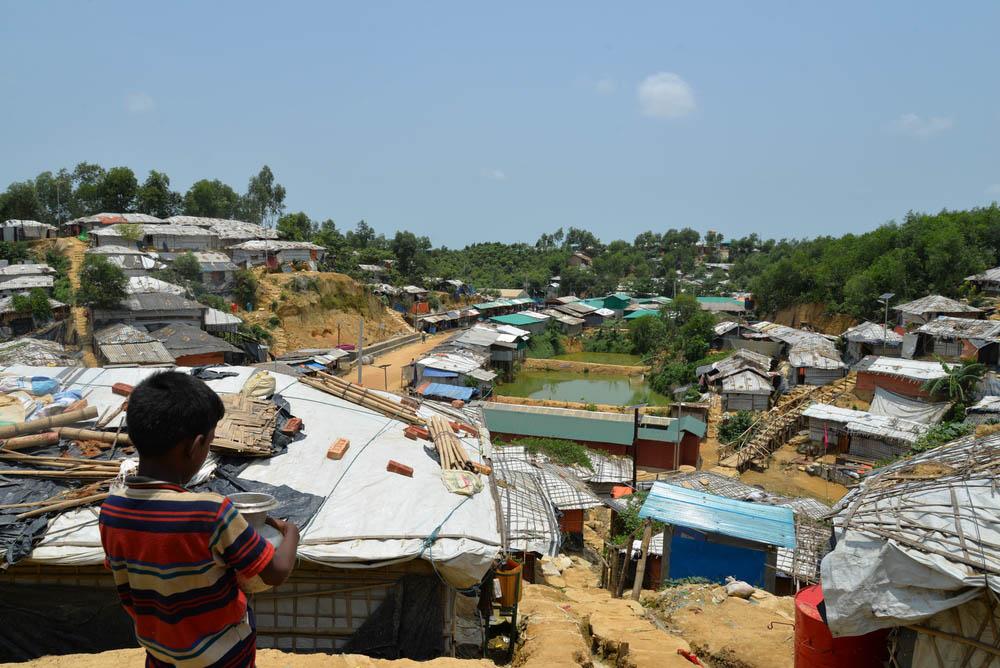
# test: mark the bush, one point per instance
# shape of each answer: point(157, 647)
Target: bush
point(102, 284)
point(274, 321)
point(609, 338)
point(559, 451)
point(547, 344)
point(734, 426)
point(187, 267)
point(940, 434)
point(245, 288)
point(255, 332)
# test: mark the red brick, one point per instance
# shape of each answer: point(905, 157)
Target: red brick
point(338, 448)
point(414, 432)
point(292, 426)
point(402, 469)
point(122, 389)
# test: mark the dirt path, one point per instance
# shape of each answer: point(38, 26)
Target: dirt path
point(375, 378)
point(74, 250)
point(584, 367)
point(266, 658)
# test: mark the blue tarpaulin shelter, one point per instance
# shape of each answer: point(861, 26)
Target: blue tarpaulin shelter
point(438, 373)
point(714, 537)
point(448, 391)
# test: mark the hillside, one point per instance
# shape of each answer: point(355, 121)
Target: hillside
point(320, 309)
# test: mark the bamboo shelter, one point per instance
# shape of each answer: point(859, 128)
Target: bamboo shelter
point(918, 550)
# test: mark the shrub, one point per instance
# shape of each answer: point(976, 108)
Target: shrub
point(245, 288)
point(102, 284)
point(940, 434)
point(558, 450)
point(735, 425)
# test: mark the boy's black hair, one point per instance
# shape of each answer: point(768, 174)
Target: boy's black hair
point(168, 408)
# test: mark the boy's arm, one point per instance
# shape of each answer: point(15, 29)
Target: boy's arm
point(238, 544)
point(283, 561)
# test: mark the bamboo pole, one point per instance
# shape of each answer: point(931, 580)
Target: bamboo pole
point(44, 424)
point(989, 649)
point(63, 505)
point(367, 400)
point(363, 393)
point(94, 435)
point(640, 569)
point(32, 441)
point(620, 586)
point(71, 475)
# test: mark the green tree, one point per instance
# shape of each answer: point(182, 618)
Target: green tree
point(187, 267)
point(117, 190)
point(245, 288)
point(648, 335)
point(295, 227)
point(409, 249)
point(156, 198)
point(958, 382)
point(41, 309)
point(129, 231)
point(20, 202)
point(264, 201)
point(211, 199)
point(87, 178)
point(55, 195)
point(362, 236)
point(102, 284)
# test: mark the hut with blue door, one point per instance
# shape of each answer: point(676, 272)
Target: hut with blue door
point(715, 537)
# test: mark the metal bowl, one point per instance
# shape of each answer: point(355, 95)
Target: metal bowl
point(254, 506)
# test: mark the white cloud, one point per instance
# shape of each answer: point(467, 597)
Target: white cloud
point(665, 95)
point(917, 126)
point(495, 174)
point(605, 86)
point(139, 103)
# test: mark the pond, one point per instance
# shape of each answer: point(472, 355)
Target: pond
point(602, 358)
point(582, 387)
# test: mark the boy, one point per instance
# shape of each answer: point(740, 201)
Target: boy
point(181, 559)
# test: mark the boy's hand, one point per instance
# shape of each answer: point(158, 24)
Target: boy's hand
point(283, 526)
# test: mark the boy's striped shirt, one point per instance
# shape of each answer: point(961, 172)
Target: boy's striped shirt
point(178, 559)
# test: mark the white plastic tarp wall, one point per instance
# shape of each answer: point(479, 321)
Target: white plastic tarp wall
point(891, 404)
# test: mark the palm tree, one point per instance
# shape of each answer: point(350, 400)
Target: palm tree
point(958, 381)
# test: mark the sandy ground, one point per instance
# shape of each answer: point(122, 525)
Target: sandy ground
point(266, 658)
point(374, 377)
point(784, 477)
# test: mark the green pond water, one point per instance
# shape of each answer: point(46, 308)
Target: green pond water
point(586, 388)
point(602, 358)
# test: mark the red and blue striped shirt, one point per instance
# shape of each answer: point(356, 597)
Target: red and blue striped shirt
point(180, 562)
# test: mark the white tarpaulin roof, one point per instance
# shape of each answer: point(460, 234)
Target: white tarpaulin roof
point(359, 525)
point(915, 538)
point(891, 404)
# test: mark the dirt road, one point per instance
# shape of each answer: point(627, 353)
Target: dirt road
point(375, 378)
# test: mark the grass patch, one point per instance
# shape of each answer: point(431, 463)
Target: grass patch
point(558, 450)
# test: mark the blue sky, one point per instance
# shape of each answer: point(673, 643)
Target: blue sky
point(469, 123)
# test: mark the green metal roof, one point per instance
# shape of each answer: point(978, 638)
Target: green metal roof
point(596, 302)
point(720, 300)
point(579, 425)
point(641, 314)
point(515, 319)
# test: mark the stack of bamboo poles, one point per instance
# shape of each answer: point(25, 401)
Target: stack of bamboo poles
point(66, 468)
point(450, 450)
point(362, 396)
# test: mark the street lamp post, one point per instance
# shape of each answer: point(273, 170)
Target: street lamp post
point(884, 299)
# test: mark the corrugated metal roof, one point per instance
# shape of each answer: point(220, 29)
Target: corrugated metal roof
point(514, 319)
point(815, 354)
point(871, 332)
point(27, 283)
point(112, 249)
point(137, 284)
point(988, 404)
point(216, 318)
point(832, 413)
point(275, 245)
point(748, 381)
point(990, 275)
point(904, 368)
point(768, 525)
point(26, 269)
point(935, 304)
point(7, 304)
point(117, 218)
point(962, 328)
point(581, 425)
point(182, 339)
point(890, 428)
point(641, 313)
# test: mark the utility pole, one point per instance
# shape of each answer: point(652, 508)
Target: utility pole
point(884, 298)
point(361, 346)
point(635, 447)
point(385, 374)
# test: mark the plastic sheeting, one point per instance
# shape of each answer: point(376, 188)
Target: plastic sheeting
point(891, 404)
